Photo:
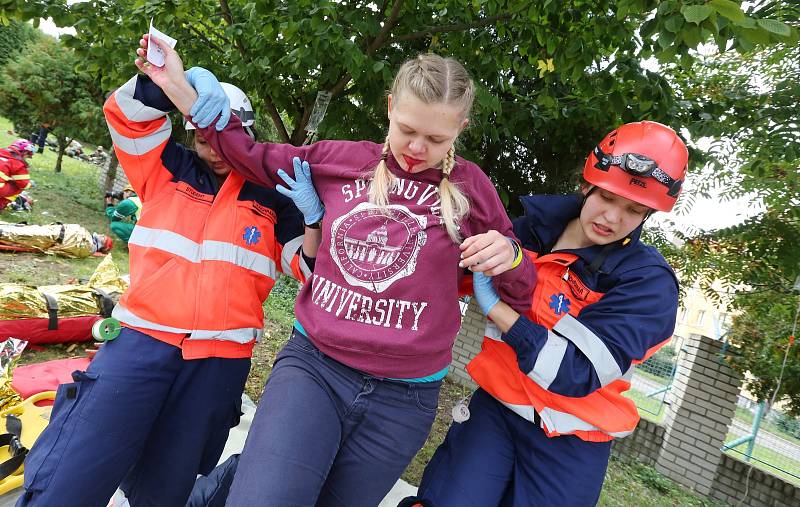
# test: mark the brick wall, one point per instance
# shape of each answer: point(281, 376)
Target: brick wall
point(763, 489)
point(702, 404)
point(643, 445)
point(468, 343)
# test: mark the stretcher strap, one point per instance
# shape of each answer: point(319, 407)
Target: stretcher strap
point(52, 312)
point(16, 450)
point(61, 233)
point(105, 303)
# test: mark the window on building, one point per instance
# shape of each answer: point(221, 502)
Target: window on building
point(701, 315)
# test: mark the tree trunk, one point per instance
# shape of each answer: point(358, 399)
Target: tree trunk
point(111, 172)
point(62, 145)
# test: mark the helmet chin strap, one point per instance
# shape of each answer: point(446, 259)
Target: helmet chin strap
point(587, 194)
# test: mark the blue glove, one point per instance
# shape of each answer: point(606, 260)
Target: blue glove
point(484, 292)
point(301, 190)
point(211, 99)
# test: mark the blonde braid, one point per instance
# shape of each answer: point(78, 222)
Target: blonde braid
point(382, 180)
point(455, 204)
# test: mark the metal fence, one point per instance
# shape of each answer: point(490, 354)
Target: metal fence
point(770, 441)
point(113, 182)
point(652, 379)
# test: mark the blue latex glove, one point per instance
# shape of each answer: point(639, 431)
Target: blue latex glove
point(484, 292)
point(301, 190)
point(211, 99)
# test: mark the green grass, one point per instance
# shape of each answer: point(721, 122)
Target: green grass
point(649, 407)
point(72, 196)
point(635, 484)
point(652, 376)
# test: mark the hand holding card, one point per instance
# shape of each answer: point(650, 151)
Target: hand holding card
point(154, 53)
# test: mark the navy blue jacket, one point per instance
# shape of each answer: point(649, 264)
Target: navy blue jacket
point(637, 311)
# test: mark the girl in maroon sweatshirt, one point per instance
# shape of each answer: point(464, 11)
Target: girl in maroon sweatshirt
point(353, 394)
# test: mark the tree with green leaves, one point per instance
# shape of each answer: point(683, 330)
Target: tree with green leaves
point(13, 38)
point(750, 105)
point(553, 76)
point(42, 85)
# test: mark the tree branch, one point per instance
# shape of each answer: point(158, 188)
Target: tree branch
point(373, 46)
point(388, 25)
point(450, 28)
point(211, 29)
point(271, 109)
point(205, 39)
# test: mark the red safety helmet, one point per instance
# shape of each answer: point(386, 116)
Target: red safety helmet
point(643, 161)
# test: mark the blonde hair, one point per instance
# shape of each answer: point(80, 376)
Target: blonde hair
point(433, 80)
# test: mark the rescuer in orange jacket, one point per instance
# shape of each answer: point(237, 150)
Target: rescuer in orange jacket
point(155, 406)
point(550, 381)
point(14, 176)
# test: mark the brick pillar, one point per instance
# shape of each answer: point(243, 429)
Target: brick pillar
point(701, 407)
point(468, 343)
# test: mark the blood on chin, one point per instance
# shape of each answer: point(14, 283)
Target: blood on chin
point(411, 162)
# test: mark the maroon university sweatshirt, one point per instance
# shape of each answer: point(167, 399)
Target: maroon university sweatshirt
point(383, 298)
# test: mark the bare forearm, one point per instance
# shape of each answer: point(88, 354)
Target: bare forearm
point(503, 316)
point(311, 240)
point(181, 94)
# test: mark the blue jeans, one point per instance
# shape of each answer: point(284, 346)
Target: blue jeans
point(497, 458)
point(325, 434)
point(141, 417)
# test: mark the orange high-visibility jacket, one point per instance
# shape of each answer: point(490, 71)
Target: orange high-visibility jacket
point(566, 362)
point(203, 257)
point(14, 176)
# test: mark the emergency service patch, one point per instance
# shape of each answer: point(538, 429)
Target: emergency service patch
point(251, 235)
point(559, 303)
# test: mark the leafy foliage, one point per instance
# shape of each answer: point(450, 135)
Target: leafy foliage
point(553, 76)
point(13, 39)
point(42, 86)
point(761, 335)
point(748, 104)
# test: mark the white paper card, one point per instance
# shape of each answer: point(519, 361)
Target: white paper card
point(154, 54)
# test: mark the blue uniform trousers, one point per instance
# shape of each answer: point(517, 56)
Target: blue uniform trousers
point(327, 435)
point(497, 458)
point(140, 417)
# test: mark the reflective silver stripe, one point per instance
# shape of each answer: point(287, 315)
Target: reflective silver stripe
point(133, 109)
point(287, 254)
point(628, 376)
point(209, 250)
point(525, 411)
point(242, 335)
point(549, 360)
point(564, 423)
point(305, 268)
point(242, 257)
point(559, 422)
point(168, 241)
point(592, 346)
point(122, 314)
point(141, 145)
point(492, 331)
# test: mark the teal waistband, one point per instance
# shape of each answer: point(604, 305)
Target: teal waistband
point(439, 375)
